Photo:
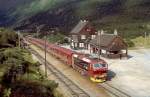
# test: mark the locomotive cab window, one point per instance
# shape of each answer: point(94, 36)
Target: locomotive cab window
point(99, 65)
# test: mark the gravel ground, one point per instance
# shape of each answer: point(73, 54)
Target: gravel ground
point(131, 75)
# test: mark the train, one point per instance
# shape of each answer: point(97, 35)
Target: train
point(95, 69)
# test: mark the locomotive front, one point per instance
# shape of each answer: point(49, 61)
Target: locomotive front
point(99, 70)
point(95, 68)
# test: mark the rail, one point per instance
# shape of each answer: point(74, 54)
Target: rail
point(72, 88)
point(115, 92)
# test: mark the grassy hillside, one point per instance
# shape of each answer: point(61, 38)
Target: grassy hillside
point(133, 17)
point(130, 17)
point(125, 15)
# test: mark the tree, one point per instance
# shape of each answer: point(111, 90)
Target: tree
point(8, 38)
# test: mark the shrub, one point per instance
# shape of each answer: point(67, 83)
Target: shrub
point(130, 43)
point(8, 38)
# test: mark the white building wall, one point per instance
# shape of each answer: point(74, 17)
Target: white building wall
point(123, 51)
point(103, 51)
point(72, 44)
point(81, 44)
point(89, 47)
point(83, 36)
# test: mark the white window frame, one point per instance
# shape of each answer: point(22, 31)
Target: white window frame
point(93, 36)
point(81, 44)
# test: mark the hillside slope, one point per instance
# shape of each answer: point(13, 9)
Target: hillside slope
point(128, 16)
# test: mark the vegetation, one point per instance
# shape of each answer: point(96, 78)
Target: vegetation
point(141, 42)
point(23, 76)
point(20, 75)
point(56, 38)
point(8, 38)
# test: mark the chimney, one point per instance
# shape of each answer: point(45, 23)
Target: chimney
point(115, 32)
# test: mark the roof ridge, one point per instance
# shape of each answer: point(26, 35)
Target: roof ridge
point(79, 26)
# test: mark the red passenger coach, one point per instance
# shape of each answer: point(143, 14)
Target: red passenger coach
point(63, 54)
point(95, 69)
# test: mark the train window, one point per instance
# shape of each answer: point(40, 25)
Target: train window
point(81, 63)
point(99, 65)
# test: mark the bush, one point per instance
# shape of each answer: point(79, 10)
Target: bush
point(8, 38)
point(129, 43)
point(7, 92)
point(33, 89)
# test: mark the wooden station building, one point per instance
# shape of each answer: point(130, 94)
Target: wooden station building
point(109, 45)
point(81, 35)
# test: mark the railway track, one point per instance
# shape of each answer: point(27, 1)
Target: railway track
point(73, 89)
point(113, 90)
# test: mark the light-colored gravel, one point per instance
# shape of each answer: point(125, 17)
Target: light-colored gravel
point(130, 75)
point(133, 74)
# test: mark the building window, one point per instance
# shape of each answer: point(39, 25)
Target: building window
point(83, 37)
point(93, 36)
point(81, 44)
point(72, 44)
point(75, 44)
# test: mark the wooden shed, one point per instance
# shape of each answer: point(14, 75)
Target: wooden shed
point(109, 45)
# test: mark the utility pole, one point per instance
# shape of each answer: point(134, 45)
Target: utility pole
point(149, 38)
point(45, 54)
point(38, 29)
point(18, 33)
point(99, 45)
point(145, 39)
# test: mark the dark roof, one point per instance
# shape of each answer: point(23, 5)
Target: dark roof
point(79, 27)
point(107, 42)
point(104, 39)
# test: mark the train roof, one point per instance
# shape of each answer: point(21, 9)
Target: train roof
point(62, 49)
point(87, 58)
point(55, 46)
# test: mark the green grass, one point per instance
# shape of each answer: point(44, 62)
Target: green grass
point(32, 77)
point(3, 69)
point(55, 38)
point(141, 42)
